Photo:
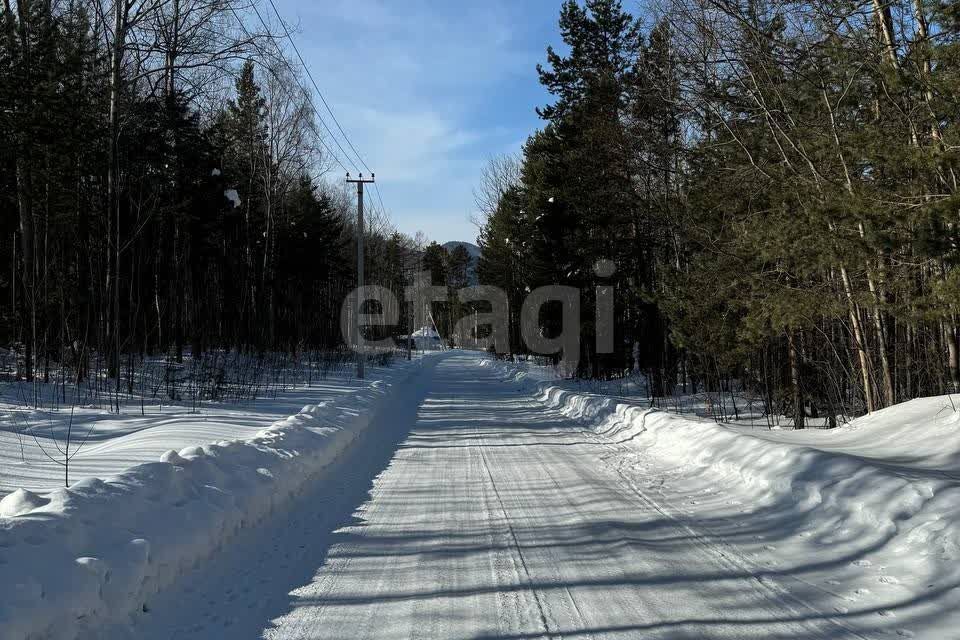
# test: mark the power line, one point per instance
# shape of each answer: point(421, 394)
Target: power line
point(319, 93)
point(247, 33)
point(303, 63)
point(283, 58)
point(376, 190)
point(312, 105)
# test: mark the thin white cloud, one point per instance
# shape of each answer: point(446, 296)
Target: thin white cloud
point(412, 146)
point(404, 79)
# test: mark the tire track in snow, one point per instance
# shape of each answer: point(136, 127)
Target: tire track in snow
point(724, 552)
point(517, 548)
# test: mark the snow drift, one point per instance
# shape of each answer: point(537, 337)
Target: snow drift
point(876, 502)
point(73, 560)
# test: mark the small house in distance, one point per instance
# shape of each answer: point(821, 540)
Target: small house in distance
point(424, 339)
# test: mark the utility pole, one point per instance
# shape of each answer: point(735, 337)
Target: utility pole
point(410, 312)
point(359, 181)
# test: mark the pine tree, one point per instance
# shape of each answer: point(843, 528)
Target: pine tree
point(245, 159)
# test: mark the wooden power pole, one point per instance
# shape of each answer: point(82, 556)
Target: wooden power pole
point(359, 181)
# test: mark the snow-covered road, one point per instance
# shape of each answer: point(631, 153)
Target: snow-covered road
point(475, 512)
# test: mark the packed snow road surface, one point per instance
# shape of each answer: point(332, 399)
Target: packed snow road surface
point(477, 512)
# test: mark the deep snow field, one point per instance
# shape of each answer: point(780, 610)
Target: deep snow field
point(104, 443)
point(158, 495)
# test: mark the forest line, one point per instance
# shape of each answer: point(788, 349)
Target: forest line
point(776, 182)
point(169, 189)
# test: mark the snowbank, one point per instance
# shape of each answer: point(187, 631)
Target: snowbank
point(112, 443)
point(74, 559)
point(879, 497)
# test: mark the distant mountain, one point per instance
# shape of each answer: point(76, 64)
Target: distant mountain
point(471, 248)
point(474, 252)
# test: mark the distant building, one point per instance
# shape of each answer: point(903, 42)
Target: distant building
point(424, 339)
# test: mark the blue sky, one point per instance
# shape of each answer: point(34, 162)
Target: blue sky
point(428, 90)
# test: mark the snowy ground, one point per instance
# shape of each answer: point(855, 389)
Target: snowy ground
point(477, 502)
point(860, 523)
point(105, 443)
point(738, 408)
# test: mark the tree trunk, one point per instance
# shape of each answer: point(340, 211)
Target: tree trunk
point(113, 195)
point(28, 299)
point(953, 355)
point(23, 163)
point(798, 411)
point(859, 343)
